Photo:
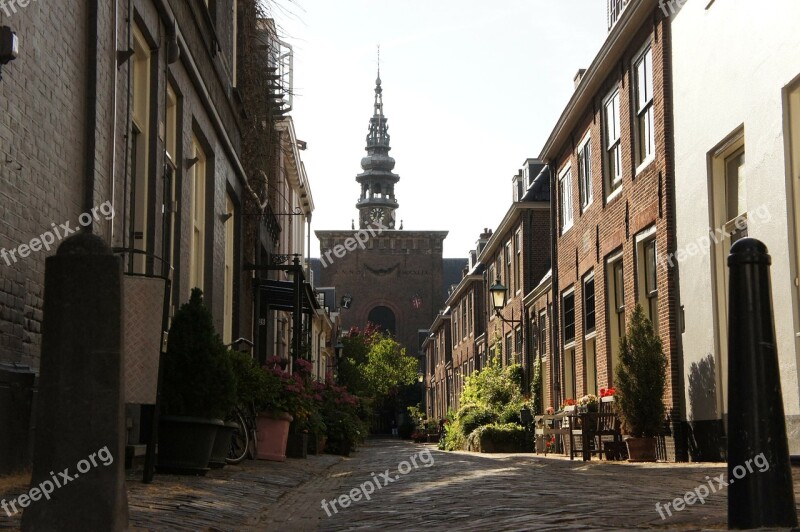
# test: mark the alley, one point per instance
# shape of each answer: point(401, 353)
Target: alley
point(497, 492)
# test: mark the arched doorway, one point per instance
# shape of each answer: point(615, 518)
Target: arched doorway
point(384, 318)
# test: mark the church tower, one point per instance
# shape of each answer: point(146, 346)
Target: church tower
point(389, 276)
point(377, 203)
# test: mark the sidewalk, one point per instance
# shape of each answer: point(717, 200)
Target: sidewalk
point(232, 498)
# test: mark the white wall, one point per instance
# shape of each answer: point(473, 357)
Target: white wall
point(731, 63)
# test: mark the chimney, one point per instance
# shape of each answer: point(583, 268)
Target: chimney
point(579, 77)
point(482, 240)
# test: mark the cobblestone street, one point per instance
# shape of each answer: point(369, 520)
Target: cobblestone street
point(470, 491)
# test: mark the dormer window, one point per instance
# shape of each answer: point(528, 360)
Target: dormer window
point(615, 9)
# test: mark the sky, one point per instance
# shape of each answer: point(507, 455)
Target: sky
point(471, 90)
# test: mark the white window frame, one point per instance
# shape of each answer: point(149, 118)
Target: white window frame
point(585, 171)
point(612, 145)
point(566, 213)
point(616, 328)
point(642, 296)
point(564, 295)
point(645, 109)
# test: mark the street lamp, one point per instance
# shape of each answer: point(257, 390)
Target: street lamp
point(498, 293)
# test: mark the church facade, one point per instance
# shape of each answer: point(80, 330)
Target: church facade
point(394, 278)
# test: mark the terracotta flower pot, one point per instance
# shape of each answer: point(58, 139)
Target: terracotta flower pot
point(273, 432)
point(641, 449)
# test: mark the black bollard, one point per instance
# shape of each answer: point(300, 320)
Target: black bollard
point(78, 480)
point(757, 496)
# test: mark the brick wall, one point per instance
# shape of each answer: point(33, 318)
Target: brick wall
point(610, 226)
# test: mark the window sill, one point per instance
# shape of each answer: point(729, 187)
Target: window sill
point(614, 195)
point(590, 336)
point(644, 165)
point(565, 229)
point(570, 345)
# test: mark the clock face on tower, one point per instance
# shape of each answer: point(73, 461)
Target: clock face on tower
point(376, 214)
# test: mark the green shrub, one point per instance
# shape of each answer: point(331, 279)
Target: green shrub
point(198, 377)
point(516, 375)
point(537, 391)
point(510, 412)
point(641, 378)
point(500, 438)
point(474, 418)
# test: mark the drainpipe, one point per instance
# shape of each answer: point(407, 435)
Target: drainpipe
point(554, 287)
point(164, 11)
point(90, 124)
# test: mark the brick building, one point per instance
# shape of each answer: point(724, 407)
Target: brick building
point(610, 155)
point(438, 351)
point(139, 112)
point(517, 255)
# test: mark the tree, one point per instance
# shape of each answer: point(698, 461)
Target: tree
point(641, 378)
point(388, 367)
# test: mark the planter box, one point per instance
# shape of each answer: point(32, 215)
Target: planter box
point(273, 433)
point(222, 445)
point(185, 444)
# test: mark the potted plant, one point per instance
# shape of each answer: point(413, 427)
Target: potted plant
point(589, 403)
point(641, 380)
point(273, 404)
point(198, 389)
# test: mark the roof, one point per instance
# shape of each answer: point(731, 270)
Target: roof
point(637, 13)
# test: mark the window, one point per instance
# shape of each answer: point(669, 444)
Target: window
point(171, 172)
point(230, 224)
point(647, 276)
point(585, 172)
point(543, 334)
point(508, 257)
point(612, 155)
point(518, 340)
point(729, 196)
point(568, 306)
point(518, 265)
point(140, 150)
point(197, 179)
point(565, 196)
point(508, 349)
point(615, 8)
point(645, 134)
point(616, 307)
point(464, 331)
point(171, 125)
point(589, 319)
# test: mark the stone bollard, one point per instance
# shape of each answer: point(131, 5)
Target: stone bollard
point(78, 480)
point(757, 496)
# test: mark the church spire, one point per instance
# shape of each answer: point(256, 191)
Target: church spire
point(377, 202)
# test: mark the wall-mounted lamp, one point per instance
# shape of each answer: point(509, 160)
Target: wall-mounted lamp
point(9, 47)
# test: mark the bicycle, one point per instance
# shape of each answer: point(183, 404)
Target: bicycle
point(245, 438)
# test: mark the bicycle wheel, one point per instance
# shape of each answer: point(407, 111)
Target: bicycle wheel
point(240, 442)
point(252, 448)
